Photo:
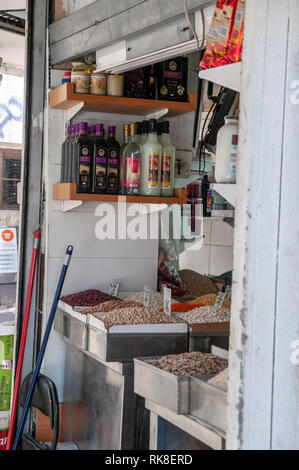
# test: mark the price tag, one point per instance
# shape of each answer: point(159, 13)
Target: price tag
point(114, 285)
point(220, 298)
point(167, 301)
point(147, 296)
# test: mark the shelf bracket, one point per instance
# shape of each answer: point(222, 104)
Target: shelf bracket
point(158, 114)
point(74, 110)
point(67, 206)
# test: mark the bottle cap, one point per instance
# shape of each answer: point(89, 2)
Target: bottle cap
point(83, 126)
point(159, 128)
point(133, 128)
point(100, 129)
point(145, 127)
point(152, 126)
point(93, 129)
point(139, 128)
point(126, 130)
point(111, 130)
point(165, 127)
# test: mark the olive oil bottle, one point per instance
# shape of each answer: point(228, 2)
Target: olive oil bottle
point(100, 157)
point(84, 160)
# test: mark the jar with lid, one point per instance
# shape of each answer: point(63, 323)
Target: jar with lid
point(80, 77)
point(115, 85)
point(98, 83)
point(226, 150)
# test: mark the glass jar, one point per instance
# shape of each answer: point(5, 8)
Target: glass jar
point(98, 83)
point(115, 85)
point(80, 77)
point(226, 151)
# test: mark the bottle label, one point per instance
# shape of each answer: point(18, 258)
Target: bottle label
point(84, 168)
point(233, 157)
point(100, 168)
point(133, 173)
point(209, 200)
point(113, 169)
point(153, 176)
point(165, 171)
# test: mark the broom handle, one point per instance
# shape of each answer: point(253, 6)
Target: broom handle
point(13, 414)
point(41, 354)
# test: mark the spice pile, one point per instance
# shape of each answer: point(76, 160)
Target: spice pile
point(87, 298)
point(181, 307)
point(135, 316)
point(220, 380)
point(156, 299)
point(193, 363)
point(209, 299)
point(206, 315)
point(110, 305)
point(196, 285)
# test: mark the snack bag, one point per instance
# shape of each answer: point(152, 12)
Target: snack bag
point(236, 40)
point(224, 32)
point(4, 425)
point(211, 38)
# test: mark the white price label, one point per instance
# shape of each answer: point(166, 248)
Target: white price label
point(167, 301)
point(220, 298)
point(147, 296)
point(114, 285)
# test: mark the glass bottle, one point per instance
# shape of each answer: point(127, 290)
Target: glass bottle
point(64, 154)
point(133, 156)
point(151, 162)
point(71, 172)
point(84, 160)
point(159, 131)
point(113, 164)
point(126, 132)
point(168, 161)
point(139, 132)
point(100, 157)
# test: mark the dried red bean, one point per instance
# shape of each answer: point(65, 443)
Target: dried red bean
point(87, 298)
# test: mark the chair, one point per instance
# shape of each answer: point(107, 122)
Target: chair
point(44, 398)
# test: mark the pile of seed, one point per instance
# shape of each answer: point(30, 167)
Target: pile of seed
point(206, 315)
point(220, 380)
point(210, 299)
point(110, 305)
point(193, 363)
point(156, 299)
point(87, 298)
point(196, 285)
point(135, 316)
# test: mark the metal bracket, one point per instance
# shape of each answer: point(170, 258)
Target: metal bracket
point(72, 112)
point(67, 206)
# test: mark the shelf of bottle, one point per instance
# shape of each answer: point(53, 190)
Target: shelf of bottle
point(68, 192)
point(64, 98)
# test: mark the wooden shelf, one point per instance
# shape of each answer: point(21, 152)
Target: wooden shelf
point(216, 328)
point(64, 98)
point(68, 192)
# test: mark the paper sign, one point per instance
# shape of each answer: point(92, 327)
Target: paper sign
point(114, 285)
point(8, 251)
point(167, 301)
point(220, 298)
point(147, 296)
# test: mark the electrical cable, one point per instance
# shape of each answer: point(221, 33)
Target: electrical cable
point(199, 46)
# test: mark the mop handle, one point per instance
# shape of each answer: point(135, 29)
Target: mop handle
point(41, 354)
point(13, 414)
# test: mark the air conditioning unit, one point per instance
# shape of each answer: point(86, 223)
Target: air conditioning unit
point(134, 53)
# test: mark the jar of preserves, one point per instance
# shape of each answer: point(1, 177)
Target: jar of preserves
point(115, 85)
point(80, 77)
point(98, 83)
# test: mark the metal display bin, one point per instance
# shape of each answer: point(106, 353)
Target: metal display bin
point(126, 342)
point(72, 326)
point(161, 387)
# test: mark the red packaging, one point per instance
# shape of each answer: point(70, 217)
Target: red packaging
point(236, 40)
point(225, 27)
point(211, 38)
point(4, 424)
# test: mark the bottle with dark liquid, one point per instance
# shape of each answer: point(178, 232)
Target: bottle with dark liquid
point(72, 169)
point(84, 160)
point(64, 153)
point(113, 164)
point(100, 157)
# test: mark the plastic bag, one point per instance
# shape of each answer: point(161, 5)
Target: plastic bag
point(211, 38)
point(225, 27)
point(236, 40)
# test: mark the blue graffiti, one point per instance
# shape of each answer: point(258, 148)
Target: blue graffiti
point(9, 114)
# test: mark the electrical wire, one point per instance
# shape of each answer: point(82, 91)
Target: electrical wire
point(199, 46)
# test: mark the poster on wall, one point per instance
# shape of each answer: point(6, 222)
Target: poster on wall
point(11, 109)
point(8, 250)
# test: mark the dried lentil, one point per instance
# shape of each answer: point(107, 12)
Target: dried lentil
point(210, 299)
point(156, 299)
point(110, 305)
point(193, 363)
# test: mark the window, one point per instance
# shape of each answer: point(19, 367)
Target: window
point(10, 176)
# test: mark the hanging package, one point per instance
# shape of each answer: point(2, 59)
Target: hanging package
point(236, 40)
point(225, 27)
point(211, 38)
